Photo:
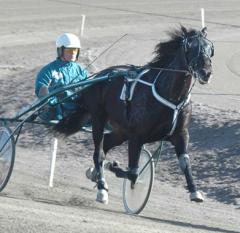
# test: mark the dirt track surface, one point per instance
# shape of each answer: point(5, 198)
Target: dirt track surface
point(28, 29)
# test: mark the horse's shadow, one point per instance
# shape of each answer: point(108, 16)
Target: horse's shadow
point(216, 146)
point(214, 153)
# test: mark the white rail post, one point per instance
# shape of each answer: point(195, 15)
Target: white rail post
point(203, 17)
point(83, 23)
point(54, 155)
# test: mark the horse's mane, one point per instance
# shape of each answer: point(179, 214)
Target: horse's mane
point(166, 51)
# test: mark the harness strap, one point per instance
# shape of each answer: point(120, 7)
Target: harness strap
point(133, 85)
point(175, 108)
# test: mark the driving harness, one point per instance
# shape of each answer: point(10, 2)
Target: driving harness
point(130, 81)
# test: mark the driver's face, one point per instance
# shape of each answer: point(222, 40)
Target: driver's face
point(70, 54)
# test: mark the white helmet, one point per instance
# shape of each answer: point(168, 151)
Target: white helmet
point(68, 40)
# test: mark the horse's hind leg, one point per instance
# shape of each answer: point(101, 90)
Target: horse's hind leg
point(110, 140)
point(98, 157)
point(180, 141)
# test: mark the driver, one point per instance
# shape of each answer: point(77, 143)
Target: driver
point(61, 72)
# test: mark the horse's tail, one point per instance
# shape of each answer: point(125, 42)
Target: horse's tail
point(73, 123)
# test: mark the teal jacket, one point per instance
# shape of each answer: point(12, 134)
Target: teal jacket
point(55, 75)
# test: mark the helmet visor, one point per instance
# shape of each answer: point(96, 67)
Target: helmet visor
point(71, 50)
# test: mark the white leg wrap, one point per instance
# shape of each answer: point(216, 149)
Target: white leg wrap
point(102, 196)
point(196, 196)
point(102, 193)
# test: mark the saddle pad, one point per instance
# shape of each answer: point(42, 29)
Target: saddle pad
point(123, 95)
point(132, 82)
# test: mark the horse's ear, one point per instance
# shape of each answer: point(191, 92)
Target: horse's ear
point(204, 32)
point(184, 30)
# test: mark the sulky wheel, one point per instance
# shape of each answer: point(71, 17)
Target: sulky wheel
point(135, 196)
point(7, 155)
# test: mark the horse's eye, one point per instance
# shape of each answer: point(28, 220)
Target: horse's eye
point(194, 43)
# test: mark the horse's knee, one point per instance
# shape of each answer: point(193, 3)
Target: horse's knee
point(184, 161)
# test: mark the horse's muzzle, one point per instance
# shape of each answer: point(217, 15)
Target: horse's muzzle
point(204, 76)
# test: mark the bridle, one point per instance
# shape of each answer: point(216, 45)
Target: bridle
point(191, 65)
point(205, 48)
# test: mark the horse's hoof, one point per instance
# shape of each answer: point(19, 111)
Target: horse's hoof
point(102, 196)
point(91, 174)
point(196, 196)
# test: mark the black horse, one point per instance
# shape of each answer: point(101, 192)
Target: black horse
point(156, 107)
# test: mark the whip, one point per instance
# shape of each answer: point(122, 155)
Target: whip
point(105, 50)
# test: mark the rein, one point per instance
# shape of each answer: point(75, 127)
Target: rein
point(171, 70)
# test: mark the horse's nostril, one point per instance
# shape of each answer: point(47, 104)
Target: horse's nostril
point(208, 74)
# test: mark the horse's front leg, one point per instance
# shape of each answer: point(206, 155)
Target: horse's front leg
point(98, 158)
point(180, 141)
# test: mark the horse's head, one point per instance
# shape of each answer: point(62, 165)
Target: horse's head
point(198, 52)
